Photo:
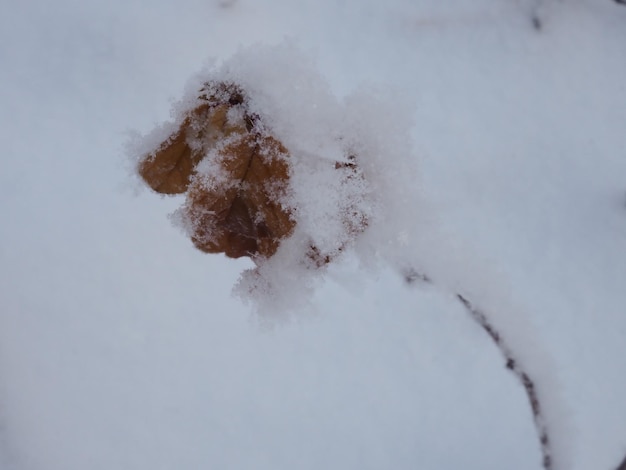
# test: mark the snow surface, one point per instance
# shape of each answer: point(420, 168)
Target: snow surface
point(122, 347)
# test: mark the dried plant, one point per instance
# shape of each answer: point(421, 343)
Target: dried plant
point(236, 208)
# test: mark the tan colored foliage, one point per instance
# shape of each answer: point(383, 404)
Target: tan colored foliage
point(244, 219)
point(240, 216)
point(238, 211)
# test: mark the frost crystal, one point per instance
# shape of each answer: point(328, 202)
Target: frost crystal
point(276, 168)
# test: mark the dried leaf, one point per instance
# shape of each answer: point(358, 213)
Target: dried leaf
point(245, 218)
point(239, 210)
point(241, 216)
point(169, 170)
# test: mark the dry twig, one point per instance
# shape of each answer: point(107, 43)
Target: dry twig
point(512, 363)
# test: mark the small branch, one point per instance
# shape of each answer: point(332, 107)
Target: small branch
point(512, 363)
point(527, 382)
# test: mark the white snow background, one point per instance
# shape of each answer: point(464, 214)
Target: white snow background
point(122, 347)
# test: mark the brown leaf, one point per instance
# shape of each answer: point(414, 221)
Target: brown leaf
point(169, 170)
point(242, 215)
point(238, 210)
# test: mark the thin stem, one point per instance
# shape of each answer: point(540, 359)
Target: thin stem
point(512, 363)
point(517, 369)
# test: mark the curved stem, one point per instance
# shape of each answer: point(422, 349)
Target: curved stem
point(512, 363)
point(517, 369)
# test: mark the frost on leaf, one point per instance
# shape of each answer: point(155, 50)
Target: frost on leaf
point(235, 174)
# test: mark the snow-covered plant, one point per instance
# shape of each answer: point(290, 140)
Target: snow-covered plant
point(236, 175)
point(276, 168)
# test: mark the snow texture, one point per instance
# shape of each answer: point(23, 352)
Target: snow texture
point(490, 136)
point(329, 205)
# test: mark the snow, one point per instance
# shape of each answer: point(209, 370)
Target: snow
point(330, 206)
point(496, 165)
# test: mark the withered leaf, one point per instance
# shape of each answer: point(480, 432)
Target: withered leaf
point(245, 218)
point(241, 216)
point(239, 210)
